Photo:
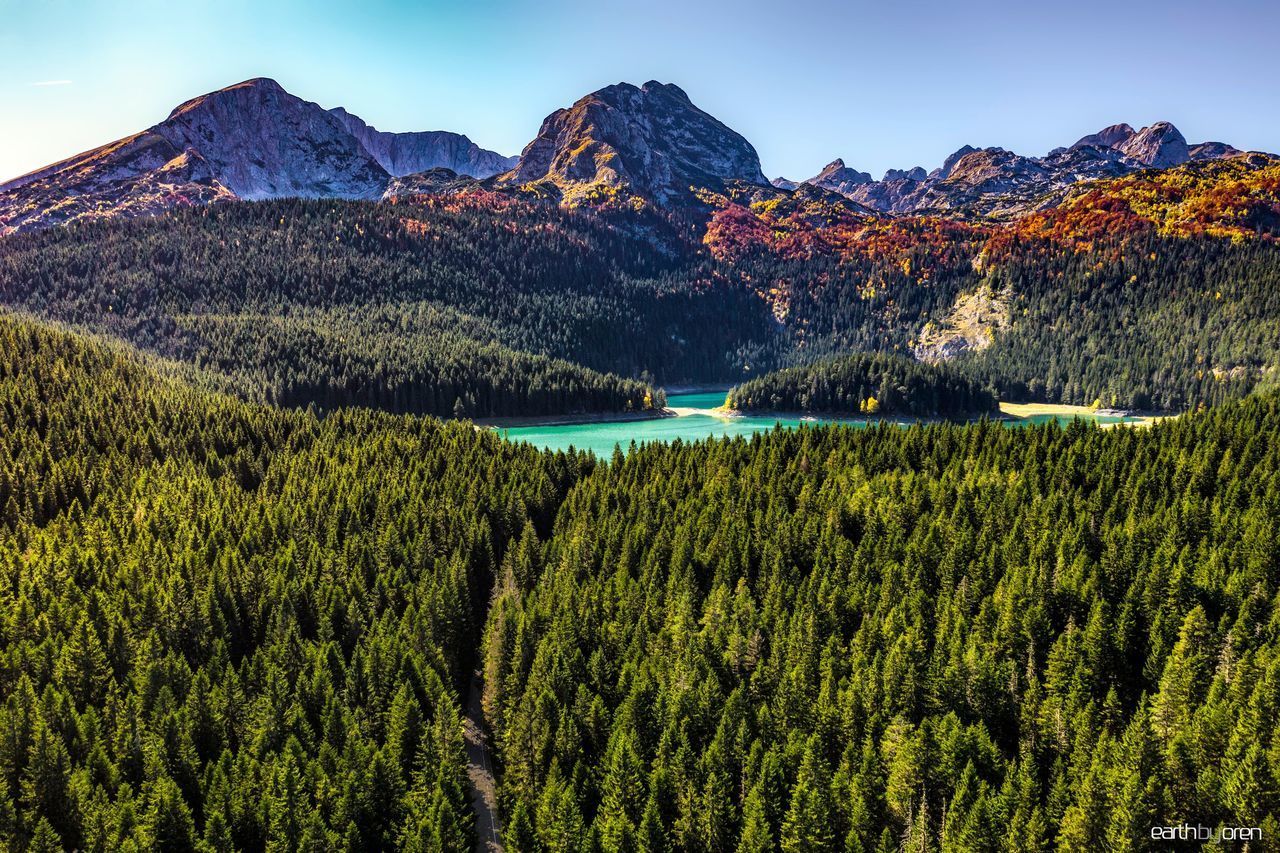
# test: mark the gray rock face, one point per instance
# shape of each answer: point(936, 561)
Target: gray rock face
point(840, 178)
point(1108, 137)
point(916, 173)
point(402, 154)
point(1214, 151)
point(261, 142)
point(1159, 146)
point(649, 141)
point(249, 141)
point(784, 183)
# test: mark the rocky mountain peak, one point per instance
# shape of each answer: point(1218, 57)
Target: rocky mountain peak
point(948, 164)
point(649, 141)
point(247, 88)
point(668, 89)
point(916, 173)
point(262, 142)
point(252, 140)
point(998, 169)
point(1213, 151)
point(1108, 137)
point(1160, 146)
point(997, 182)
point(838, 177)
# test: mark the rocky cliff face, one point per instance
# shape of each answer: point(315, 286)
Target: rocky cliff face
point(261, 142)
point(1159, 146)
point(250, 141)
point(648, 141)
point(402, 154)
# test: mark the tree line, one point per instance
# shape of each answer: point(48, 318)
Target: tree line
point(939, 637)
point(391, 305)
point(440, 306)
point(229, 626)
point(866, 384)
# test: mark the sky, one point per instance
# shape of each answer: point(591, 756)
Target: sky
point(888, 84)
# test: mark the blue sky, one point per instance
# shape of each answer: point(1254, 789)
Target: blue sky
point(885, 84)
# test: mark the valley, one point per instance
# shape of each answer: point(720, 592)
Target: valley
point(366, 491)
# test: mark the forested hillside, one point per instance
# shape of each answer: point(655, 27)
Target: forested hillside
point(960, 638)
point(399, 305)
point(239, 626)
point(228, 626)
point(1150, 292)
point(411, 357)
point(483, 305)
point(869, 384)
point(1149, 323)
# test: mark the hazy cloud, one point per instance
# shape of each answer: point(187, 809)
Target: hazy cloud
point(52, 83)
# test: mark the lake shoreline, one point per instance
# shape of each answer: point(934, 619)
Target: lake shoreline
point(576, 419)
point(1009, 411)
point(1023, 411)
point(700, 415)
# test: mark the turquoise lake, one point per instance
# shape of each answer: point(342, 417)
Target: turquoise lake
point(695, 422)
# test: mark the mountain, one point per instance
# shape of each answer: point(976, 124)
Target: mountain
point(995, 182)
point(840, 178)
point(621, 145)
point(916, 173)
point(261, 142)
point(250, 141)
point(402, 154)
point(1214, 151)
point(1160, 146)
point(949, 163)
point(1108, 137)
point(625, 141)
point(140, 174)
point(438, 181)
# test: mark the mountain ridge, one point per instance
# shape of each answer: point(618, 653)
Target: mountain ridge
point(251, 141)
point(622, 146)
point(995, 182)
